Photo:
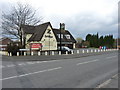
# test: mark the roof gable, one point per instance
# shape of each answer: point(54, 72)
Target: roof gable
point(39, 31)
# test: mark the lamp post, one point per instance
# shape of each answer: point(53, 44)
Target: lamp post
point(62, 27)
point(60, 37)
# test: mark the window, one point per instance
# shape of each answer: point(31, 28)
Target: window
point(59, 35)
point(67, 36)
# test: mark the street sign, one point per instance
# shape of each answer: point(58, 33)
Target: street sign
point(36, 45)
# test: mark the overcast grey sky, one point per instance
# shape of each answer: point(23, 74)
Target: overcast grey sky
point(80, 16)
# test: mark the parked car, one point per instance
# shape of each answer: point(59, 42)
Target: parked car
point(64, 49)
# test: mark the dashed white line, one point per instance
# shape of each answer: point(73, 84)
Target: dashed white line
point(27, 63)
point(111, 57)
point(30, 73)
point(21, 64)
point(87, 62)
point(1, 66)
point(30, 62)
point(11, 65)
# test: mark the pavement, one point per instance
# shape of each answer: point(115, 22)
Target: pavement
point(64, 71)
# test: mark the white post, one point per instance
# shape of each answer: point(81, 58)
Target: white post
point(45, 52)
point(10, 54)
point(87, 51)
point(59, 52)
point(24, 53)
point(53, 53)
point(95, 50)
point(32, 53)
point(66, 52)
point(38, 53)
point(17, 53)
point(72, 52)
point(98, 50)
point(91, 50)
point(77, 51)
point(83, 51)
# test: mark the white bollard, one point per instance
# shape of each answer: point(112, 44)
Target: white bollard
point(72, 52)
point(17, 53)
point(91, 50)
point(87, 51)
point(98, 50)
point(77, 51)
point(10, 54)
point(24, 53)
point(83, 51)
point(32, 53)
point(39, 53)
point(53, 53)
point(45, 52)
point(66, 52)
point(59, 52)
point(95, 50)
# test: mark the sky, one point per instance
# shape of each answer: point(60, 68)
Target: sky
point(81, 17)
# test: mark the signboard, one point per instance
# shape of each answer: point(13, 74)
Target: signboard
point(36, 45)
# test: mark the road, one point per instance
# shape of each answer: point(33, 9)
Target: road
point(83, 72)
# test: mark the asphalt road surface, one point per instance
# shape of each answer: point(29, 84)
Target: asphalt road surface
point(84, 72)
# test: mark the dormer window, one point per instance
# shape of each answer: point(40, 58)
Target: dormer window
point(67, 36)
point(59, 35)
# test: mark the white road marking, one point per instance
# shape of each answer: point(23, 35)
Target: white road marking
point(27, 63)
point(35, 62)
point(38, 61)
point(115, 76)
point(87, 62)
point(111, 57)
point(1, 66)
point(30, 62)
point(30, 73)
point(105, 83)
point(12, 65)
point(20, 64)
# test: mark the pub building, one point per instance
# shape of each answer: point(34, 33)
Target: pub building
point(45, 37)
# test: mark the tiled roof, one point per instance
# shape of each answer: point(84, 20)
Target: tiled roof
point(64, 39)
point(38, 32)
point(28, 29)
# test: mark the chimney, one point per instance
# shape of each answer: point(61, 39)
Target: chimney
point(62, 26)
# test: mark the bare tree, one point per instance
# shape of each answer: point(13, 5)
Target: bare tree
point(20, 15)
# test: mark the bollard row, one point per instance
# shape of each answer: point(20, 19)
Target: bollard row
point(66, 53)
